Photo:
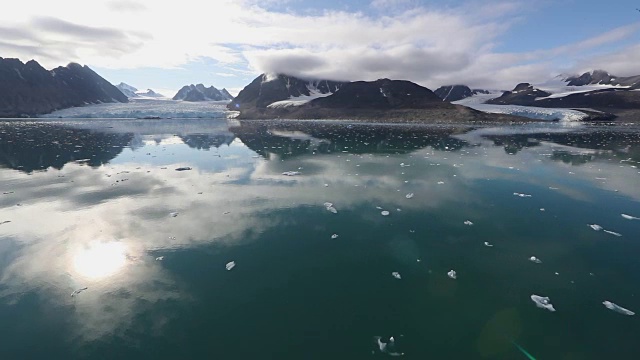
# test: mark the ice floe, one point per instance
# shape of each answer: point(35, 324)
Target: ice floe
point(230, 265)
point(617, 308)
point(334, 236)
point(173, 214)
point(521, 195)
point(535, 260)
point(291, 173)
point(160, 258)
point(389, 348)
point(409, 195)
point(467, 222)
point(384, 213)
point(629, 217)
point(330, 208)
point(612, 233)
point(76, 292)
point(452, 274)
point(486, 243)
point(595, 227)
point(542, 302)
point(396, 275)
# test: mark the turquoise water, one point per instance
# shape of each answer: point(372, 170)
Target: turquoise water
point(98, 204)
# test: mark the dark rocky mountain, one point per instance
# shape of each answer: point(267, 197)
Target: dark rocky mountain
point(523, 94)
point(201, 93)
point(457, 92)
point(382, 100)
point(29, 89)
point(604, 78)
point(266, 89)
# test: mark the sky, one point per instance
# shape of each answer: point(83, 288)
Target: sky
point(163, 45)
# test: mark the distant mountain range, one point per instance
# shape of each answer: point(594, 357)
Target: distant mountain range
point(601, 77)
point(201, 93)
point(132, 92)
point(28, 89)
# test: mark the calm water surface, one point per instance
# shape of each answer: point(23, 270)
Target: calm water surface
point(98, 204)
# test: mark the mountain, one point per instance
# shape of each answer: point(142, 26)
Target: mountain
point(201, 93)
point(128, 90)
point(523, 94)
point(382, 100)
point(268, 89)
point(457, 92)
point(149, 93)
point(601, 77)
point(28, 89)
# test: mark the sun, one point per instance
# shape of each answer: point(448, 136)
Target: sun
point(100, 260)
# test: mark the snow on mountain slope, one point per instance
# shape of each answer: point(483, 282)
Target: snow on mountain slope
point(299, 100)
point(548, 114)
point(558, 88)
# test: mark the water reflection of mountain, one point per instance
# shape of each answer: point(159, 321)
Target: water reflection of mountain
point(206, 141)
point(289, 139)
point(30, 146)
point(577, 147)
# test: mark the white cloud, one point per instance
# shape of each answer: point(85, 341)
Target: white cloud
point(432, 46)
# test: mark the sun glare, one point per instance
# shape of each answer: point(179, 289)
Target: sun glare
point(100, 260)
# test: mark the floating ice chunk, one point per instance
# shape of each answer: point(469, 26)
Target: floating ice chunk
point(76, 292)
point(521, 195)
point(612, 233)
point(541, 209)
point(329, 207)
point(160, 258)
point(334, 236)
point(595, 227)
point(185, 168)
point(486, 243)
point(389, 347)
point(629, 217)
point(409, 195)
point(173, 214)
point(5, 222)
point(452, 274)
point(535, 260)
point(378, 207)
point(384, 213)
point(542, 302)
point(396, 275)
point(291, 173)
point(617, 308)
point(440, 182)
point(467, 222)
point(230, 265)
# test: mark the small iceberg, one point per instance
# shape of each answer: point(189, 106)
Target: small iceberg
point(396, 275)
point(329, 207)
point(173, 214)
point(521, 195)
point(486, 243)
point(409, 195)
point(185, 168)
point(467, 222)
point(291, 173)
point(542, 302)
point(389, 347)
point(535, 260)
point(230, 265)
point(334, 236)
point(617, 308)
point(595, 227)
point(452, 274)
point(629, 217)
point(160, 258)
point(612, 233)
point(76, 292)
point(384, 213)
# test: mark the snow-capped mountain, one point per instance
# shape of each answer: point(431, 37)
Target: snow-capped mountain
point(201, 93)
point(282, 91)
point(457, 92)
point(150, 94)
point(132, 92)
point(601, 77)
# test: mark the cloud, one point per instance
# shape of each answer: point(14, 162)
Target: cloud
point(125, 5)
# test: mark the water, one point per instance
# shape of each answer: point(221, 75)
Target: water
point(90, 205)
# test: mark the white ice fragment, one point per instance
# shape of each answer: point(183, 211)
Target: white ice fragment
point(535, 260)
point(541, 209)
point(542, 302)
point(629, 217)
point(388, 348)
point(384, 213)
point(160, 258)
point(612, 233)
point(396, 275)
point(378, 207)
point(76, 292)
point(486, 243)
point(230, 265)
point(330, 208)
point(617, 308)
point(334, 236)
point(440, 182)
point(521, 195)
point(173, 214)
point(467, 222)
point(409, 195)
point(452, 274)
point(595, 227)
point(291, 173)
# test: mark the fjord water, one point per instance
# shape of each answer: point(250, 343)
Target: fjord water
point(98, 204)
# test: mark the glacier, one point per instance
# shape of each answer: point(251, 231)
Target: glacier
point(477, 102)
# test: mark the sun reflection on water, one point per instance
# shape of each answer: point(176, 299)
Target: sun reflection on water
point(100, 260)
